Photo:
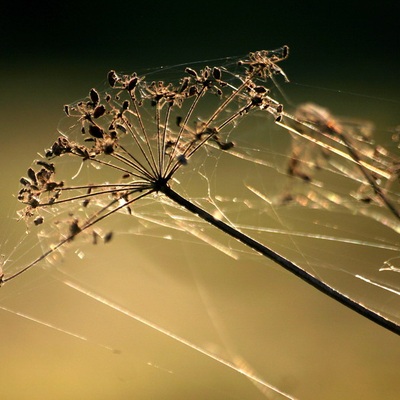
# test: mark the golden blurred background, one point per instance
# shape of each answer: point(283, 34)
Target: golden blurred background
point(58, 343)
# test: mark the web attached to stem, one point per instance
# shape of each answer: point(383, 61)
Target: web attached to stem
point(317, 189)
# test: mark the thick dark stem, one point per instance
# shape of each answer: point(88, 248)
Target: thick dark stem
point(282, 261)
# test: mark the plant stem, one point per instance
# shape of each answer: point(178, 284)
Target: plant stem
point(282, 261)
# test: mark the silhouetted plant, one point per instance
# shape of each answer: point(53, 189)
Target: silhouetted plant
point(144, 131)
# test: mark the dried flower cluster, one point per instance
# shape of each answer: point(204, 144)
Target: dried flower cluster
point(144, 131)
point(116, 132)
point(372, 168)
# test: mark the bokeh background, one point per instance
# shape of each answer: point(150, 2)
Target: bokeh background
point(52, 53)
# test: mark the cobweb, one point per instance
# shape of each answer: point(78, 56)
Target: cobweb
point(166, 302)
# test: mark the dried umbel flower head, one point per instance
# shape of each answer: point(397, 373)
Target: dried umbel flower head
point(142, 130)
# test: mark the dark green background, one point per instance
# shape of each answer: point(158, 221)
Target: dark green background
point(48, 48)
point(351, 40)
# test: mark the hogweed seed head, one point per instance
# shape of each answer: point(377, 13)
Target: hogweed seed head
point(142, 131)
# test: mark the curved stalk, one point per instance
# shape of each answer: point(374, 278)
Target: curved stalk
point(282, 261)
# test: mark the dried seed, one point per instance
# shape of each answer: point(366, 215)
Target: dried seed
point(32, 175)
point(108, 237)
point(49, 166)
point(24, 181)
point(94, 96)
point(192, 91)
point(96, 131)
point(38, 220)
point(182, 159)
point(192, 72)
point(99, 111)
point(132, 83)
point(217, 73)
point(74, 229)
point(112, 78)
point(33, 202)
point(260, 89)
point(125, 105)
point(226, 146)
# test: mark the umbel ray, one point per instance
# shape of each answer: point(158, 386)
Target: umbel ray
point(145, 153)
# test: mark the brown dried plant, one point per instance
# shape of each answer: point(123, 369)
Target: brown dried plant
point(145, 153)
